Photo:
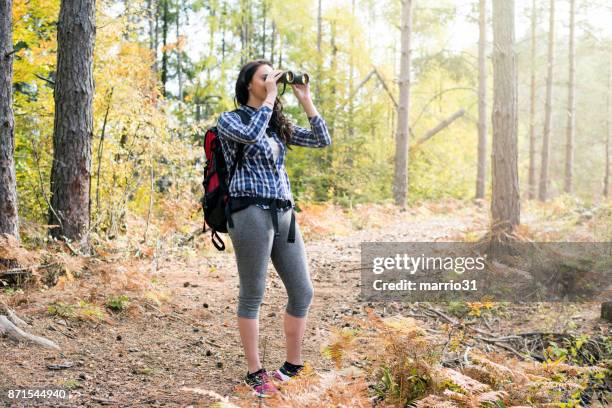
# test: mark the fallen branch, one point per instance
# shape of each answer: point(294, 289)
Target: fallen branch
point(11, 325)
point(11, 330)
point(440, 126)
point(497, 343)
point(25, 271)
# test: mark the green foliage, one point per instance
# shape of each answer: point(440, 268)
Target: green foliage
point(117, 303)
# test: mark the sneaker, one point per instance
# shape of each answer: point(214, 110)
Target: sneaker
point(260, 382)
point(285, 373)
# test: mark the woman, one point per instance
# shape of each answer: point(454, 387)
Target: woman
point(262, 215)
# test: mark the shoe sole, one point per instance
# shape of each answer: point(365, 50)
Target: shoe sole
point(256, 393)
point(283, 377)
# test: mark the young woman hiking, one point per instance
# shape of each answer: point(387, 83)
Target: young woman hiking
point(261, 220)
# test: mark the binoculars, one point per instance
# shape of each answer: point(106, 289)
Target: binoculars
point(291, 77)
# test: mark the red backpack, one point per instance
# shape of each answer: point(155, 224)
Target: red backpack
point(216, 182)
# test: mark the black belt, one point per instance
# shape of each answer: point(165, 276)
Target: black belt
point(239, 203)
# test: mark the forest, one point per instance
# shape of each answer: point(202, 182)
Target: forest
point(483, 123)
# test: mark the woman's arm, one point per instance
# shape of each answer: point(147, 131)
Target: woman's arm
point(230, 125)
point(319, 135)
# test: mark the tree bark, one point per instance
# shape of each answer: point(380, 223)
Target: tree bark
point(571, 103)
point(319, 55)
point(543, 192)
point(351, 103)
point(606, 189)
point(482, 102)
point(532, 99)
point(73, 125)
point(165, 24)
point(263, 33)
point(505, 204)
point(179, 57)
point(400, 182)
point(9, 219)
point(272, 41)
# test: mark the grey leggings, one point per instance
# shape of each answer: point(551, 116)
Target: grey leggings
point(254, 244)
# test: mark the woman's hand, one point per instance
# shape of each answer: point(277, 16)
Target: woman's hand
point(270, 82)
point(302, 93)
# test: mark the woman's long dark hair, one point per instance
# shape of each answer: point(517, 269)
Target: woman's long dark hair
point(278, 121)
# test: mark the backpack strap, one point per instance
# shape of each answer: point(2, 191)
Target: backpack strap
point(246, 119)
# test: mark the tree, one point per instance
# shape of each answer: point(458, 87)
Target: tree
point(165, 25)
point(400, 183)
point(532, 103)
point(571, 102)
point(9, 219)
point(606, 189)
point(73, 122)
point(482, 102)
point(505, 204)
point(543, 191)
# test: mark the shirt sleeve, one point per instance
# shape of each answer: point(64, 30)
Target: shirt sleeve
point(230, 126)
point(316, 136)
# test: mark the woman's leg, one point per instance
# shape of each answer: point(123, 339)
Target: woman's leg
point(252, 238)
point(290, 262)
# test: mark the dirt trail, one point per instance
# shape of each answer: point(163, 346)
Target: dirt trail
point(192, 341)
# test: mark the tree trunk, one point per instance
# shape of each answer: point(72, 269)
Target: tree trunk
point(263, 34)
point(505, 204)
point(179, 67)
point(543, 193)
point(319, 55)
point(482, 102)
point(9, 219)
point(351, 103)
point(73, 126)
point(156, 34)
point(165, 24)
point(272, 41)
point(606, 190)
point(571, 103)
point(532, 99)
point(223, 25)
point(151, 23)
point(400, 182)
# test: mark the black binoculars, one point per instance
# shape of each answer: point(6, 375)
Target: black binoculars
point(291, 77)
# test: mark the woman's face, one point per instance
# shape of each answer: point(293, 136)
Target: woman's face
point(257, 88)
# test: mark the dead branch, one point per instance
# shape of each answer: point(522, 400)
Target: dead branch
point(440, 126)
point(11, 325)
point(384, 84)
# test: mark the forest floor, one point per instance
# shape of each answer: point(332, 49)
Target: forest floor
point(176, 342)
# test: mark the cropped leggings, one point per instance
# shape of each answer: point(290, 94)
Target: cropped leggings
point(254, 244)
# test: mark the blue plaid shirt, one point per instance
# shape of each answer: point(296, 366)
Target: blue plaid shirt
point(261, 175)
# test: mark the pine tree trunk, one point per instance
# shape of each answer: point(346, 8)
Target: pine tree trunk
point(272, 41)
point(179, 62)
point(505, 205)
point(151, 24)
point(263, 34)
point(482, 102)
point(606, 189)
point(73, 126)
point(400, 182)
point(543, 192)
point(532, 103)
point(319, 55)
point(571, 103)
point(223, 25)
point(165, 24)
point(351, 107)
point(9, 219)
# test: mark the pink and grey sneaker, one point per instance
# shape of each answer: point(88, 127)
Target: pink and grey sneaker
point(286, 372)
point(260, 382)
